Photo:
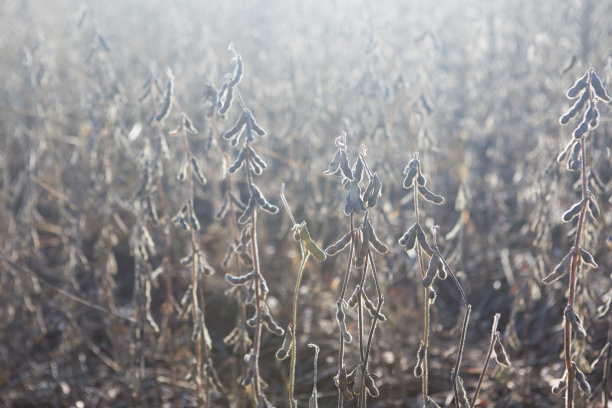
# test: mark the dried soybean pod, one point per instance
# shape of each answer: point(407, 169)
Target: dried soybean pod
point(358, 379)
point(357, 170)
point(431, 403)
point(563, 155)
point(354, 296)
point(463, 398)
point(227, 103)
point(182, 174)
point(362, 252)
point(594, 122)
point(598, 88)
point(233, 337)
point(588, 259)
point(248, 211)
point(371, 387)
point(590, 112)
point(334, 165)
point(409, 238)
point(420, 235)
point(237, 164)
point(564, 120)
point(221, 94)
point(372, 309)
point(593, 207)
point(237, 73)
point(559, 386)
point(248, 378)
point(575, 322)
point(432, 295)
point(285, 349)
point(429, 196)
point(342, 384)
point(573, 163)
point(339, 245)
point(373, 239)
point(238, 126)
point(431, 271)
point(272, 326)
point(353, 202)
point(560, 269)
point(257, 158)
point(255, 126)
point(421, 180)
point(167, 105)
point(500, 353)
point(418, 368)
point(340, 316)
point(344, 165)
point(578, 86)
point(197, 171)
point(193, 219)
point(240, 280)
point(573, 211)
point(372, 191)
point(442, 271)
point(582, 128)
point(583, 384)
point(188, 124)
point(252, 322)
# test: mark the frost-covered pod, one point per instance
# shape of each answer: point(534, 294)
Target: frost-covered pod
point(373, 239)
point(339, 245)
point(578, 86)
point(353, 202)
point(237, 164)
point(340, 318)
point(432, 269)
point(357, 170)
point(409, 238)
point(285, 349)
point(559, 270)
point(234, 130)
point(167, 104)
point(372, 191)
point(572, 212)
point(237, 77)
point(272, 326)
point(500, 352)
point(227, 102)
point(575, 322)
point(240, 280)
point(429, 196)
point(588, 259)
point(600, 91)
point(197, 171)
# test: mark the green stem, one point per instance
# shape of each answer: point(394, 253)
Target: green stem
point(305, 254)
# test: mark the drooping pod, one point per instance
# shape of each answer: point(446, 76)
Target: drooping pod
point(500, 352)
point(559, 270)
point(285, 349)
point(578, 86)
point(309, 244)
point(600, 91)
point(575, 322)
point(342, 384)
point(167, 104)
point(237, 73)
point(429, 196)
point(339, 245)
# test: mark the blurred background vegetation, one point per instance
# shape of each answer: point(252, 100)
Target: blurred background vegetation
point(476, 87)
